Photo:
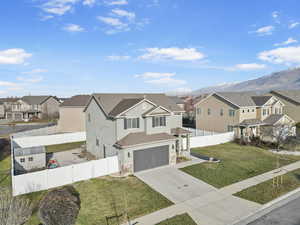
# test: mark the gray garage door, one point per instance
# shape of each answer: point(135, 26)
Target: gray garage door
point(151, 158)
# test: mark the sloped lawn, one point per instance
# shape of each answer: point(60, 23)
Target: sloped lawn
point(5, 177)
point(183, 219)
point(108, 197)
point(237, 163)
point(64, 147)
point(266, 192)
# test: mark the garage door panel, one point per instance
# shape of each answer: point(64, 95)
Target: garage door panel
point(150, 158)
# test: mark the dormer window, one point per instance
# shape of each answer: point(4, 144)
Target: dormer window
point(159, 121)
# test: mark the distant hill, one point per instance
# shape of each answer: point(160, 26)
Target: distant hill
point(288, 79)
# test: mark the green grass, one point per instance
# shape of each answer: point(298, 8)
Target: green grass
point(237, 163)
point(5, 178)
point(183, 219)
point(64, 147)
point(98, 197)
point(266, 192)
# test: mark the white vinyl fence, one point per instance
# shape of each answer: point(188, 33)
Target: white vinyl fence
point(51, 178)
point(197, 132)
point(55, 139)
point(216, 139)
point(37, 132)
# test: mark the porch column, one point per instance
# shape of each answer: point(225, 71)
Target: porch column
point(180, 145)
point(188, 144)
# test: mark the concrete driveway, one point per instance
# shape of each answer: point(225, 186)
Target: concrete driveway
point(174, 184)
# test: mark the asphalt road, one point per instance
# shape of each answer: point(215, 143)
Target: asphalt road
point(288, 214)
point(4, 129)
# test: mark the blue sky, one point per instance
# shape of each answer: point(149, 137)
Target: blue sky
point(67, 47)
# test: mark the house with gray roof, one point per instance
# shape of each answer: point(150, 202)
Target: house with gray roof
point(242, 112)
point(29, 107)
point(71, 114)
point(291, 101)
point(143, 130)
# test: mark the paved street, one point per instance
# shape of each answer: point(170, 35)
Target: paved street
point(288, 214)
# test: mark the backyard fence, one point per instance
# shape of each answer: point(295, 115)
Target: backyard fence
point(51, 178)
point(38, 132)
point(216, 139)
point(197, 132)
point(54, 139)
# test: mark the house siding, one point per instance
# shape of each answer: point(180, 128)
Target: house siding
point(289, 108)
point(214, 121)
point(39, 162)
point(102, 129)
point(50, 108)
point(71, 119)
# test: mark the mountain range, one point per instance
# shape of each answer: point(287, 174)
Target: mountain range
point(283, 80)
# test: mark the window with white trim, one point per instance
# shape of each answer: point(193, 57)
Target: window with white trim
point(231, 113)
point(159, 121)
point(131, 123)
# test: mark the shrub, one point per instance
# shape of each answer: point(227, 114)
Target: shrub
point(60, 207)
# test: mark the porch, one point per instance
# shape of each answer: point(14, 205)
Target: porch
point(183, 136)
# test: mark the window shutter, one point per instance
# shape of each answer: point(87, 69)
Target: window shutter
point(125, 124)
point(153, 121)
point(138, 122)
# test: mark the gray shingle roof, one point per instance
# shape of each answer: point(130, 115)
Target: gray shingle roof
point(110, 101)
point(249, 122)
point(272, 119)
point(142, 138)
point(244, 99)
point(176, 99)
point(124, 105)
point(35, 100)
point(29, 151)
point(2, 100)
point(261, 100)
point(293, 95)
point(76, 101)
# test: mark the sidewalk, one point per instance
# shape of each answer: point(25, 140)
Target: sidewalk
point(237, 187)
point(218, 206)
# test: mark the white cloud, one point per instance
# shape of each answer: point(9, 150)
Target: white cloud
point(166, 81)
point(287, 42)
point(249, 66)
point(287, 55)
point(124, 13)
point(152, 75)
point(31, 79)
point(35, 71)
point(14, 56)
point(174, 53)
point(116, 25)
point(89, 2)
point(275, 16)
point(73, 28)
point(7, 84)
point(58, 7)
point(294, 25)
point(47, 17)
point(116, 2)
point(267, 30)
point(118, 57)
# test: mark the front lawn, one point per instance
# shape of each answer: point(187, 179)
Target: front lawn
point(183, 219)
point(5, 178)
point(266, 192)
point(108, 197)
point(64, 147)
point(237, 163)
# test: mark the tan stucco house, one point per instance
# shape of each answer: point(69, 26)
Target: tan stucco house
point(143, 130)
point(291, 101)
point(71, 114)
point(242, 112)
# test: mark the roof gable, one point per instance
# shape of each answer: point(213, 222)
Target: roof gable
point(159, 110)
point(291, 96)
point(35, 100)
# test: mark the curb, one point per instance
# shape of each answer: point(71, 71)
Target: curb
point(267, 208)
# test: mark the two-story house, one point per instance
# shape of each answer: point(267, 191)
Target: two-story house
point(291, 101)
point(144, 130)
point(241, 112)
point(71, 110)
point(29, 107)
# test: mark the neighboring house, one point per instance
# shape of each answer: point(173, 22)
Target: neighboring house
point(2, 110)
point(144, 130)
point(71, 115)
point(242, 112)
point(178, 101)
point(29, 159)
point(34, 107)
point(291, 101)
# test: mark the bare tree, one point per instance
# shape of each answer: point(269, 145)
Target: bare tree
point(14, 210)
